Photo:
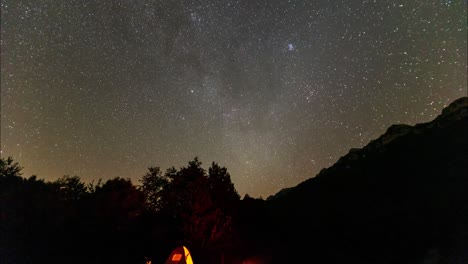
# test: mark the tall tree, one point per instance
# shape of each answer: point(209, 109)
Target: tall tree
point(118, 200)
point(153, 185)
point(221, 187)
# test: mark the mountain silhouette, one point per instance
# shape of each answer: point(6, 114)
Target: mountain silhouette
point(403, 198)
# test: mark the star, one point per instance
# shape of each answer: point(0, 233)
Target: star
point(107, 88)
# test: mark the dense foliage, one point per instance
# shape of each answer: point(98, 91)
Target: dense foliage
point(115, 221)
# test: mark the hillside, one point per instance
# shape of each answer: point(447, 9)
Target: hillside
point(400, 199)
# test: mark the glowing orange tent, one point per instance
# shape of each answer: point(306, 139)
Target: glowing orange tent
point(180, 255)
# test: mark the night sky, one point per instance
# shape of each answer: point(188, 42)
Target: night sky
point(273, 90)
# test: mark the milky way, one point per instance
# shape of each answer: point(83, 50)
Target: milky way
point(273, 90)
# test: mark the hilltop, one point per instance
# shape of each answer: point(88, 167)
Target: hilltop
point(400, 199)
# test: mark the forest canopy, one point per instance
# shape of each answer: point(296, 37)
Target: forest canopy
point(121, 220)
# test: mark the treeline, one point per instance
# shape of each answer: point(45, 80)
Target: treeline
point(117, 221)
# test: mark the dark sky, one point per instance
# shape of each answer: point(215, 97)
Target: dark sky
point(273, 90)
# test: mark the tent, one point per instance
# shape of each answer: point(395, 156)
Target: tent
point(180, 255)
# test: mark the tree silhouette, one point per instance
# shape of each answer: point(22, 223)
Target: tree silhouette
point(221, 187)
point(153, 185)
point(71, 188)
point(118, 200)
point(9, 168)
point(200, 204)
point(117, 207)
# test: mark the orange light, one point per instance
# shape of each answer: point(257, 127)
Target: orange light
point(176, 257)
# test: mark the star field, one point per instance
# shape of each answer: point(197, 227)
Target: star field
point(273, 90)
